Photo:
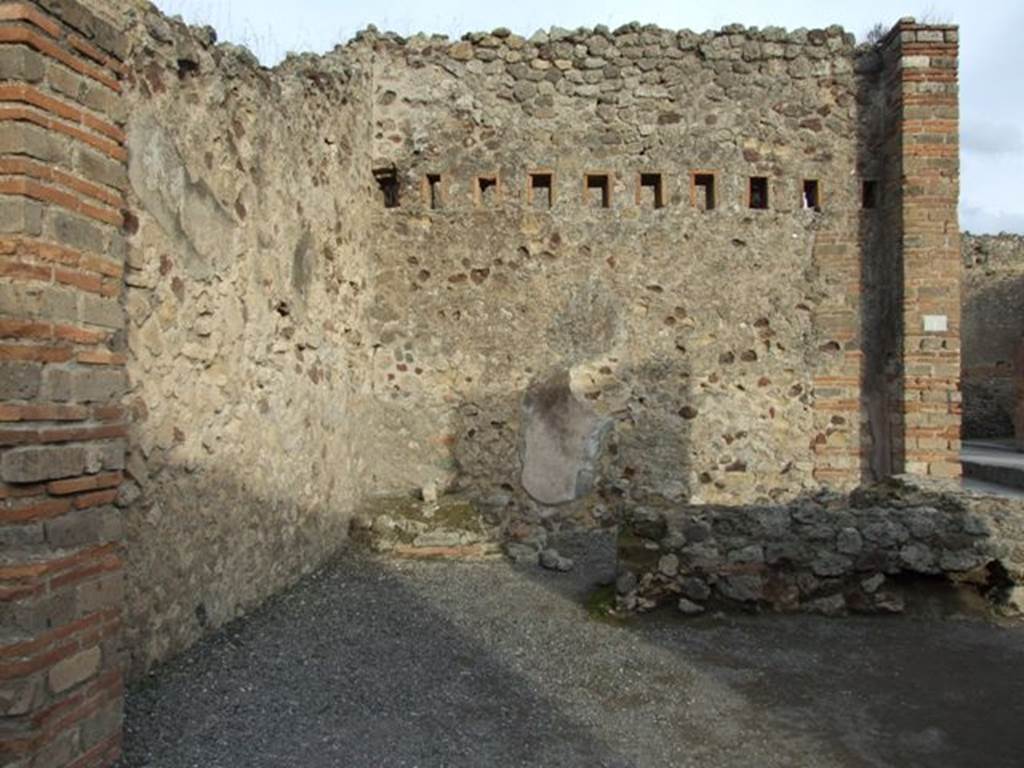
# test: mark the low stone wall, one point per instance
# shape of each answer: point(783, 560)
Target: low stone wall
point(827, 554)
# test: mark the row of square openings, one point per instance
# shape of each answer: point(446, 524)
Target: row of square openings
point(597, 190)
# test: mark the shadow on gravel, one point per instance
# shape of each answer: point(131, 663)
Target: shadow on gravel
point(881, 691)
point(348, 668)
point(376, 664)
point(924, 691)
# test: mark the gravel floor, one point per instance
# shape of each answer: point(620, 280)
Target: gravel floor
point(377, 663)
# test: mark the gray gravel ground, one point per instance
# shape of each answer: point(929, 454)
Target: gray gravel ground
point(375, 663)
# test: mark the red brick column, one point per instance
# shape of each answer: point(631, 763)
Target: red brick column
point(62, 430)
point(838, 440)
point(929, 135)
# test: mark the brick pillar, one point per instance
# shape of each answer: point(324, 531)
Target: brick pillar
point(62, 430)
point(928, 441)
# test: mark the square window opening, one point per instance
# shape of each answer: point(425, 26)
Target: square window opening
point(869, 194)
point(387, 182)
point(487, 190)
point(759, 192)
point(432, 191)
point(704, 191)
point(812, 195)
point(598, 190)
point(652, 190)
point(541, 192)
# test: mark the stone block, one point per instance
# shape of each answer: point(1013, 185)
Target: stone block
point(18, 536)
point(100, 168)
point(690, 608)
point(75, 232)
point(86, 384)
point(107, 455)
point(105, 102)
point(51, 462)
point(100, 594)
point(19, 381)
point(669, 564)
point(117, 249)
point(20, 63)
point(695, 588)
point(849, 541)
point(37, 300)
point(918, 557)
point(29, 139)
point(58, 384)
point(85, 528)
point(73, 670)
point(64, 80)
point(960, 560)
point(742, 587)
point(915, 62)
point(20, 696)
point(100, 383)
point(34, 616)
point(102, 311)
point(18, 215)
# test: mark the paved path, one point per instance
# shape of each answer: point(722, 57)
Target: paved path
point(375, 664)
point(993, 466)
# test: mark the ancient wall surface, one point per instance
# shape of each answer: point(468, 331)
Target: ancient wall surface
point(345, 276)
point(245, 276)
point(639, 262)
point(993, 325)
point(725, 344)
point(829, 553)
point(62, 428)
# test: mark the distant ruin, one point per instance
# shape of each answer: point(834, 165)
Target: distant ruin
point(993, 328)
point(555, 277)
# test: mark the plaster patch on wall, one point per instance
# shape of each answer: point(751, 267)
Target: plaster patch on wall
point(562, 440)
point(185, 208)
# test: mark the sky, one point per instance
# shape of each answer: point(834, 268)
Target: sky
point(992, 89)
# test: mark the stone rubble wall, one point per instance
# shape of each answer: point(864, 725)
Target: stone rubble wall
point(993, 326)
point(62, 374)
point(297, 345)
point(245, 282)
point(297, 293)
point(294, 346)
point(724, 344)
point(827, 554)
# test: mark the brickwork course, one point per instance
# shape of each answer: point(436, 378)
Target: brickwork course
point(549, 277)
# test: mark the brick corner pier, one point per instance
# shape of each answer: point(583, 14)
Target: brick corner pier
point(62, 428)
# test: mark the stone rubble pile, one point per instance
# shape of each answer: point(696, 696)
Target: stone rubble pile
point(406, 526)
point(828, 554)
